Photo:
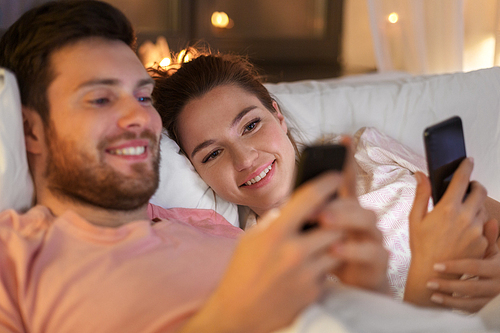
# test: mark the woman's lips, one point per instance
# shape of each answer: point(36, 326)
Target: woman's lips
point(260, 176)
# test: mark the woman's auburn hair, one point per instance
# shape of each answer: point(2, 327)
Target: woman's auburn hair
point(180, 83)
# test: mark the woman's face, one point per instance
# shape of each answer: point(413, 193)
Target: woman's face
point(239, 147)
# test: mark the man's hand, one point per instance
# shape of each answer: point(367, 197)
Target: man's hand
point(276, 270)
point(482, 284)
point(452, 230)
point(362, 254)
point(363, 257)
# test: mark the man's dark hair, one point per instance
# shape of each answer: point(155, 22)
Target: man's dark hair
point(27, 46)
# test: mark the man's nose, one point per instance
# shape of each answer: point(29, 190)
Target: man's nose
point(133, 115)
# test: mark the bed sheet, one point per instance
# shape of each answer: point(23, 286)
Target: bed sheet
point(386, 185)
point(350, 310)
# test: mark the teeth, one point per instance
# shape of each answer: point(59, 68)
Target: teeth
point(129, 151)
point(260, 176)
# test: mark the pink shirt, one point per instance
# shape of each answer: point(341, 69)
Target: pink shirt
point(67, 275)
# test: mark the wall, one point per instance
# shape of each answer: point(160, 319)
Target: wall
point(357, 46)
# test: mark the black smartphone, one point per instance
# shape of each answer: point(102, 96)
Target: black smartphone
point(445, 150)
point(315, 160)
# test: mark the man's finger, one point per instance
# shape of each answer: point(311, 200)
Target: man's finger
point(348, 215)
point(348, 188)
point(305, 201)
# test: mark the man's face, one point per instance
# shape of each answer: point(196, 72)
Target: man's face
point(103, 136)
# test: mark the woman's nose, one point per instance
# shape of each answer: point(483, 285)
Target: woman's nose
point(244, 157)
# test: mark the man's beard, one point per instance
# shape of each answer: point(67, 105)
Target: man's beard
point(78, 176)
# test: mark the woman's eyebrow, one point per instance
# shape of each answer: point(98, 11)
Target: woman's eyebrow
point(235, 121)
point(201, 146)
point(240, 115)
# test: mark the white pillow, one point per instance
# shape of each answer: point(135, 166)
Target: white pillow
point(402, 108)
point(16, 186)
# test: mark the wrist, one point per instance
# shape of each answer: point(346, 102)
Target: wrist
point(416, 290)
point(214, 317)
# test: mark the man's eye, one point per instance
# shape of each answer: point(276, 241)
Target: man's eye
point(100, 101)
point(251, 125)
point(145, 99)
point(211, 156)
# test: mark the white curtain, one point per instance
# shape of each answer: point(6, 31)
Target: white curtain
point(435, 36)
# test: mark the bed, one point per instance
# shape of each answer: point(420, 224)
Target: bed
point(393, 108)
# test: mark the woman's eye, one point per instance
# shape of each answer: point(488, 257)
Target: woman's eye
point(251, 125)
point(211, 156)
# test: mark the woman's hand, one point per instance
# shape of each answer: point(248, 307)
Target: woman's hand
point(452, 230)
point(482, 284)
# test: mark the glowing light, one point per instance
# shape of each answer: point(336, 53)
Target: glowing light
point(165, 62)
point(220, 20)
point(479, 55)
point(183, 57)
point(393, 17)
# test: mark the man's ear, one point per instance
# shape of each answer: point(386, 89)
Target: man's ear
point(34, 134)
point(280, 117)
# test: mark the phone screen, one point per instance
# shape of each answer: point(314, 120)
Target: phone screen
point(315, 160)
point(445, 150)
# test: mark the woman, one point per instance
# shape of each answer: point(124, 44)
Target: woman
point(258, 184)
point(235, 135)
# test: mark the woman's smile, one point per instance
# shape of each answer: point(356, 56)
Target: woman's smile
point(265, 176)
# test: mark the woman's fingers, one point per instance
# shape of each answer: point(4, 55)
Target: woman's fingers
point(467, 294)
point(459, 183)
point(421, 201)
point(466, 288)
point(460, 303)
point(474, 203)
point(491, 233)
point(484, 268)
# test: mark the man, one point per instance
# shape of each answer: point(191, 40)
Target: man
point(88, 258)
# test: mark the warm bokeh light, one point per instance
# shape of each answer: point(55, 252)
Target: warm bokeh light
point(183, 57)
point(220, 20)
point(393, 17)
point(165, 62)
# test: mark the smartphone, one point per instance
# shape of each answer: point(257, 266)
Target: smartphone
point(445, 150)
point(315, 160)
